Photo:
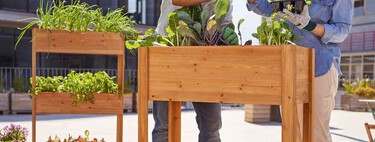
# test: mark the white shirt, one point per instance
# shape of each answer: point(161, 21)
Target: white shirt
point(167, 7)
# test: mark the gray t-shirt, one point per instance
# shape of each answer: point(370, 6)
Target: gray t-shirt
point(167, 7)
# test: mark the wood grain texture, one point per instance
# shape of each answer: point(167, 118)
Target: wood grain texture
point(303, 74)
point(174, 127)
point(277, 75)
point(216, 74)
point(308, 113)
point(33, 73)
point(83, 42)
point(143, 92)
point(61, 103)
point(289, 105)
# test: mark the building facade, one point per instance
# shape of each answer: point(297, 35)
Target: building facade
point(358, 50)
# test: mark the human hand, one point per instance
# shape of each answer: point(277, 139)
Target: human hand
point(231, 36)
point(251, 1)
point(300, 20)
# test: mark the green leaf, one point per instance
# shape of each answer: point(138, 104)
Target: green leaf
point(207, 12)
point(185, 31)
point(173, 24)
point(182, 15)
point(198, 27)
point(221, 8)
point(240, 23)
point(255, 35)
point(132, 44)
point(149, 31)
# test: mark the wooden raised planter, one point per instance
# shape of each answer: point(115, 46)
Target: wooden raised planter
point(4, 103)
point(268, 75)
point(351, 102)
point(92, 43)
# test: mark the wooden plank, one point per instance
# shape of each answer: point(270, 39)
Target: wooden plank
point(82, 42)
point(289, 112)
point(223, 97)
point(303, 72)
point(143, 92)
point(368, 127)
point(33, 73)
point(61, 103)
point(174, 121)
point(308, 108)
point(216, 74)
point(120, 82)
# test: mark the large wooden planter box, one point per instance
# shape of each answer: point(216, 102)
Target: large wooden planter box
point(266, 75)
point(350, 102)
point(4, 103)
point(61, 103)
point(80, 42)
point(21, 102)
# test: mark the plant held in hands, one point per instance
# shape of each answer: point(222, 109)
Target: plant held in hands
point(274, 31)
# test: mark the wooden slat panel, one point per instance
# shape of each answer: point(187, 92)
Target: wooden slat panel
point(289, 106)
point(61, 103)
point(221, 74)
point(61, 41)
point(303, 74)
point(308, 113)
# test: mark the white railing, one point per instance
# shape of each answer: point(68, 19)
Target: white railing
point(18, 77)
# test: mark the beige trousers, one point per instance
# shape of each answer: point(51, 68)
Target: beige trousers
point(325, 92)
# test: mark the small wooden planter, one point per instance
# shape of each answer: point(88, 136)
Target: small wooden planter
point(93, 43)
point(269, 75)
point(4, 103)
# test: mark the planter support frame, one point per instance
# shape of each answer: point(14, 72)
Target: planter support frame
point(271, 75)
point(80, 42)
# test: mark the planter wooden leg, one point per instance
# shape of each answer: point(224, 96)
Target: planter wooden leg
point(307, 123)
point(142, 119)
point(119, 127)
point(174, 130)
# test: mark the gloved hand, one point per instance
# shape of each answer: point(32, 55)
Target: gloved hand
point(231, 36)
point(300, 20)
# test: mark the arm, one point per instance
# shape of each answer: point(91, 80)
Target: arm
point(260, 7)
point(188, 2)
point(319, 30)
point(338, 28)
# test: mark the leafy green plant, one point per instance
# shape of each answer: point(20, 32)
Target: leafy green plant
point(80, 16)
point(209, 29)
point(362, 88)
point(19, 85)
point(274, 31)
point(80, 85)
point(191, 25)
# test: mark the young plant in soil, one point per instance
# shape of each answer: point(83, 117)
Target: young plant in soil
point(80, 85)
point(80, 16)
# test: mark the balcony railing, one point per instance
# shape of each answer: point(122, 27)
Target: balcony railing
point(362, 41)
point(19, 77)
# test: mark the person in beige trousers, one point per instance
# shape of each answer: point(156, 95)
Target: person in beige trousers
point(322, 24)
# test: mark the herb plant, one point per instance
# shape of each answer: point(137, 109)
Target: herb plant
point(274, 31)
point(13, 133)
point(81, 85)
point(80, 17)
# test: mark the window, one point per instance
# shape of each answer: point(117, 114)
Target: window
point(359, 7)
point(359, 3)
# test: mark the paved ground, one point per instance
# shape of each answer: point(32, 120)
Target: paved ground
point(345, 126)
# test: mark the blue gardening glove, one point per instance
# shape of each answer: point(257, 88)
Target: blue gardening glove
point(231, 36)
point(300, 20)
